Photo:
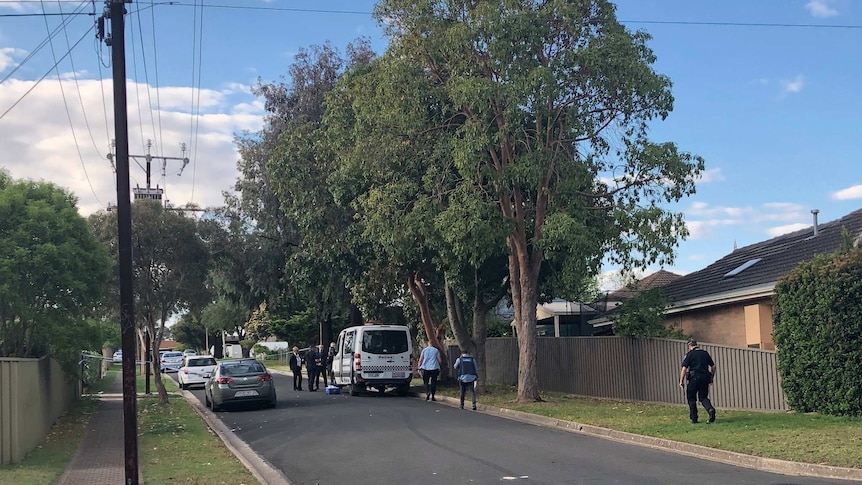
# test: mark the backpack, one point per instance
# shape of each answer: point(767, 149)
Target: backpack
point(467, 369)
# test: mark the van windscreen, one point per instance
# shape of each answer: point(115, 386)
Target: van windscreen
point(384, 341)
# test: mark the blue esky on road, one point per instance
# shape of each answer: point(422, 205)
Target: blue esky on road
point(774, 110)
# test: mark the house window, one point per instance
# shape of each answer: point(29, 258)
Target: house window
point(744, 266)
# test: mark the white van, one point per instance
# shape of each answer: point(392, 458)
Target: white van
point(377, 356)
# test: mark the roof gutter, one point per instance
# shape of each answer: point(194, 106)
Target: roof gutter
point(735, 296)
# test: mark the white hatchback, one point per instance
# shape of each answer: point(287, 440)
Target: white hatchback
point(196, 370)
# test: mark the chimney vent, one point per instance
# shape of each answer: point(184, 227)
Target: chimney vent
point(814, 213)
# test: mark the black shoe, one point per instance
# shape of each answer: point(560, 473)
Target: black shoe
point(427, 397)
point(462, 406)
point(433, 398)
point(474, 407)
point(298, 388)
point(712, 415)
point(693, 421)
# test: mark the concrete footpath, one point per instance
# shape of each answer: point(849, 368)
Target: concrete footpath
point(99, 458)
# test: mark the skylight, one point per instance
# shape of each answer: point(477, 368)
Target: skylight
point(744, 266)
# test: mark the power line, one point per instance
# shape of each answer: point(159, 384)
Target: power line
point(156, 74)
point(196, 104)
point(46, 74)
point(78, 88)
point(742, 24)
point(44, 14)
point(41, 44)
point(66, 104)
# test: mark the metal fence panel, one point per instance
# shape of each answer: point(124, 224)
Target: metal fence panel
point(638, 369)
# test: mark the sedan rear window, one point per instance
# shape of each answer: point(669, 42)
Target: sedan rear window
point(242, 369)
point(201, 362)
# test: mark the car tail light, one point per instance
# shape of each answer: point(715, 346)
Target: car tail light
point(265, 377)
point(224, 380)
point(357, 361)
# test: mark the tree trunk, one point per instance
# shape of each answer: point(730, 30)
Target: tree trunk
point(523, 281)
point(480, 335)
point(420, 296)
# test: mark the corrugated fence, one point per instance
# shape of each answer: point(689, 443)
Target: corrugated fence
point(635, 369)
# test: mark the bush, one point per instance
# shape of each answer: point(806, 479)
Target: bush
point(817, 319)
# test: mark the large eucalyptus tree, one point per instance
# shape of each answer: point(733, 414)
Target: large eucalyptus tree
point(550, 104)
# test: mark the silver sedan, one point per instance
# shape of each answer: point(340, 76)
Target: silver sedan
point(236, 381)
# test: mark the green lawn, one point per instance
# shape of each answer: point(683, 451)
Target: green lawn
point(808, 438)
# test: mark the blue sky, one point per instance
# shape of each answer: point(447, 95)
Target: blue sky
point(773, 110)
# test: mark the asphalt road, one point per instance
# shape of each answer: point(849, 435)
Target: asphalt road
point(314, 438)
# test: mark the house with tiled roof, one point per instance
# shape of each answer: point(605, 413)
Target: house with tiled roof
point(730, 301)
point(603, 323)
point(658, 279)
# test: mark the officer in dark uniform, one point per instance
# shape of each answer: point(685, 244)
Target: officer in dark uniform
point(699, 369)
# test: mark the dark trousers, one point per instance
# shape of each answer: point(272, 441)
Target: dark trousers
point(297, 378)
point(321, 372)
point(698, 390)
point(429, 378)
point(472, 387)
point(312, 378)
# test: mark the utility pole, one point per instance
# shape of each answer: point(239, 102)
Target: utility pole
point(117, 41)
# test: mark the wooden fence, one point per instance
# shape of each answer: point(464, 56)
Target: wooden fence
point(633, 369)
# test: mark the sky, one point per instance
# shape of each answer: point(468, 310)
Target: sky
point(766, 92)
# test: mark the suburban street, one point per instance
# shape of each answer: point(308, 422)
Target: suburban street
point(314, 438)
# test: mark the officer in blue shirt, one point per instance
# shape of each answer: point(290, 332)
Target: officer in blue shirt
point(467, 375)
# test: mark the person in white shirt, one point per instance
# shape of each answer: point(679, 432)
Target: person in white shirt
point(429, 364)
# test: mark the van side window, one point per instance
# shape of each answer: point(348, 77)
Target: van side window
point(348, 344)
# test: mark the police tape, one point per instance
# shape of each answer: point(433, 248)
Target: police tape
point(88, 356)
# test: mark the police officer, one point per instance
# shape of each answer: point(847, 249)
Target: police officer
point(699, 368)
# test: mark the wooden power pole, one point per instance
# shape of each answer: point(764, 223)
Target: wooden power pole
point(117, 41)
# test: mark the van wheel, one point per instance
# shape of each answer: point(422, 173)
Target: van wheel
point(403, 389)
point(355, 388)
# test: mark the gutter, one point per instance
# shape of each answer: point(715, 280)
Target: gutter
point(734, 296)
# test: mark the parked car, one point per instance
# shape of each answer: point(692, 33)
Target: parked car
point(236, 381)
point(189, 352)
point(118, 357)
point(196, 370)
point(171, 361)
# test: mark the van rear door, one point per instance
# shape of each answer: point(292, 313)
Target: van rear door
point(385, 353)
point(342, 364)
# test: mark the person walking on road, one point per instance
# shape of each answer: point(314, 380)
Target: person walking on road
point(311, 367)
point(699, 368)
point(429, 364)
point(295, 364)
point(467, 375)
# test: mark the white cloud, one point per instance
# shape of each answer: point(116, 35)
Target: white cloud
point(711, 175)
point(38, 144)
point(792, 86)
point(854, 192)
point(779, 230)
point(7, 54)
point(703, 219)
point(821, 8)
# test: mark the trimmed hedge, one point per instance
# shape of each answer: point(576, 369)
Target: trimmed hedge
point(818, 333)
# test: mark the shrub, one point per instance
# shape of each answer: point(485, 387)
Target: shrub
point(817, 319)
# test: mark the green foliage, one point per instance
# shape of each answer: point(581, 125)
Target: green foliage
point(817, 317)
point(52, 274)
point(643, 316)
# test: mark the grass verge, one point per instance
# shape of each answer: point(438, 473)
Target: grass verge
point(806, 438)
